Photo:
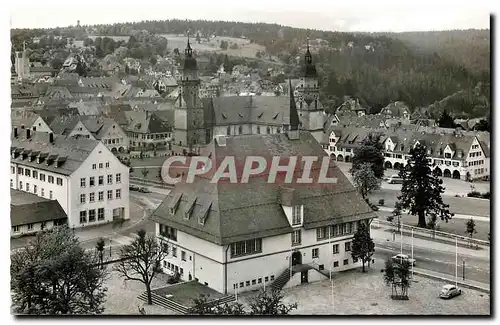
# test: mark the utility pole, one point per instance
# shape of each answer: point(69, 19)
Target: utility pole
point(456, 262)
point(463, 269)
point(412, 252)
point(401, 238)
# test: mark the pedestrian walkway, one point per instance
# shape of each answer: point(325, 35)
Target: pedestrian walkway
point(383, 237)
point(456, 216)
point(485, 287)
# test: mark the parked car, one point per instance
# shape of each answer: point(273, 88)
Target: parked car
point(395, 179)
point(134, 188)
point(402, 257)
point(144, 190)
point(449, 291)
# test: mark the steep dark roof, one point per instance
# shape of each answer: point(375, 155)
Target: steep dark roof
point(26, 208)
point(243, 211)
point(294, 116)
point(310, 68)
point(189, 60)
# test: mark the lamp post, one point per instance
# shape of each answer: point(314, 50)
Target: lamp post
point(412, 252)
point(456, 262)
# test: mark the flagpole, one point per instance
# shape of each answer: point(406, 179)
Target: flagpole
point(456, 261)
point(401, 237)
point(412, 252)
point(264, 281)
point(331, 261)
point(236, 292)
point(291, 262)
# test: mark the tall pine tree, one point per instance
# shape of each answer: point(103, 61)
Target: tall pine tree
point(422, 189)
point(363, 246)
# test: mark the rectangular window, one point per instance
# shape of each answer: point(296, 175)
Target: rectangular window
point(183, 255)
point(110, 179)
point(82, 198)
point(42, 177)
point(27, 172)
point(101, 180)
point(50, 195)
point(174, 251)
point(354, 259)
point(259, 280)
point(296, 217)
point(336, 249)
point(12, 169)
point(118, 194)
point(247, 283)
point(118, 178)
point(92, 181)
point(51, 179)
point(92, 215)
point(20, 185)
point(43, 192)
point(34, 189)
point(321, 233)
point(107, 165)
point(266, 279)
point(83, 216)
point(100, 165)
point(101, 196)
point(35, 174)
point(100, 214)
point(296, 240)
point(27, 187)
point(110, 195)
point(30, 226)
point(92, 197)
point(59, 181)
point(20, 170)
point(82, 182)
point(246, 247)
point(94, 166)
point(346, 262)
point(254, 281)
point(16, 228)
point(242, 284)
point(336, 264)
point(348, 246)
point(272, 277)
point(315, 252)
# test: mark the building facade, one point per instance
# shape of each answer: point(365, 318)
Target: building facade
point(88, 181)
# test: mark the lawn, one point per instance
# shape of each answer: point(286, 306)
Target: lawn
point(184, 293)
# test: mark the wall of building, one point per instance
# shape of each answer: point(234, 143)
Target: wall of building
point(36, 227)
point(100, 155)
point(312, 276)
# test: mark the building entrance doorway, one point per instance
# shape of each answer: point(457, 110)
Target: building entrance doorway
point(296, 258)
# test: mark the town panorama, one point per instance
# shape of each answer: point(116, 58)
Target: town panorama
point(203, 167)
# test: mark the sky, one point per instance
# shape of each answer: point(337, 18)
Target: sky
point(353, 15)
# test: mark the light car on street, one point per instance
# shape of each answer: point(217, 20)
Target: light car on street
point(402, 257)
point(449, 291)
point(395, 179)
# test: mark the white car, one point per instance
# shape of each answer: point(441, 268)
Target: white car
point(402, 257)
point(449, 291)
point(395, 179)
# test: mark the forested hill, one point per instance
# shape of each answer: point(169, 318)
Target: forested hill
point(378, 68)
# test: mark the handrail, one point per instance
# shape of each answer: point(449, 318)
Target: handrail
point(439, 233)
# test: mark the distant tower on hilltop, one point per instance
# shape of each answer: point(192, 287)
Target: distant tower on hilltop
point(77, 23)
point(22, 63)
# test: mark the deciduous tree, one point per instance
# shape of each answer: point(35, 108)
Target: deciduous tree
point(365, 180)
point(54, 275)
point(140, 260)
point(470, 229)
point(370, 151)
point(422, 189)
point(397, 275)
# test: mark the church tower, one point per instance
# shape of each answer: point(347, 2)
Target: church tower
point(22, 63)
point(311, 113)
point(189, 119)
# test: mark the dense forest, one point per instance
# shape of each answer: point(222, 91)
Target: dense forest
point(419, 68)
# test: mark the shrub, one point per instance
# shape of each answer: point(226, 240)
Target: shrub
point(390, 218)
point(381, 202)
point(486, 195)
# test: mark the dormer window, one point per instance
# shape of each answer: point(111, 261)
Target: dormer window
point(189, 208)
point(202, 217)
point(296, 215)
point(175, 204)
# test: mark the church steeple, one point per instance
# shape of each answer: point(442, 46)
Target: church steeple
point(310, 68)
point(189, 60)
point(293, 131)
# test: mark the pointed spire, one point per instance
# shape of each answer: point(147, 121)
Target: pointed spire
point(308, 55)
point(188, 51)
point(294, 116)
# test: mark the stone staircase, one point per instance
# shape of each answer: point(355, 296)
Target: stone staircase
point(282, 279)
point(172, 305)
point(164, 302)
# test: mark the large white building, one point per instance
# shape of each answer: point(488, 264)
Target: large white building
point(240, 236)
point(453, 155)
point(88, 181)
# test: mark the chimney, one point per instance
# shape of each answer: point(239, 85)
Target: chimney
point(28, 133)
point(15, 132)
point(51, 137)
